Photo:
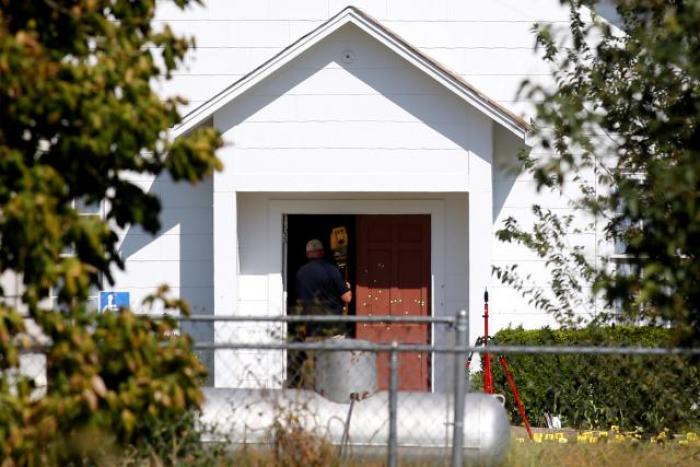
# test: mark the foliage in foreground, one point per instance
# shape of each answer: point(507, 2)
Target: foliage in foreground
point(593, 392)
point(620, 132)
point(118, 378)
point(79, 121)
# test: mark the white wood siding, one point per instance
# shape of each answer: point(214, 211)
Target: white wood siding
point(489, 43)
point(372, 125)
point(513, 196)
point(180, 254)
point(376, 124)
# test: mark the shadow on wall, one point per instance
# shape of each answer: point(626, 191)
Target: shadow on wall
point(607, 9)
point(184, 244)
point(388, 74)
point(185, 241)
point(506, 168)
point(391, 77)
point(399, 82)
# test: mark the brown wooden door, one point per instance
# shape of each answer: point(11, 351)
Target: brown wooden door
point(393, 278)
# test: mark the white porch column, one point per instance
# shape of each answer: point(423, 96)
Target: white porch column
point(225, 279)
point(479, 258)
point(480, 219)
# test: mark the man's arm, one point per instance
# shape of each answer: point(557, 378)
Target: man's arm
point(347, 296)
point(342, 286)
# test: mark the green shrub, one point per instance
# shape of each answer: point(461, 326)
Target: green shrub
point(597, 391)
point(116, 382)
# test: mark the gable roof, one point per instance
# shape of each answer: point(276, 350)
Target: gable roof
point(353, 15)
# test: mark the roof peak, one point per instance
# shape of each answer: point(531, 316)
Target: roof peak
point(374, 28)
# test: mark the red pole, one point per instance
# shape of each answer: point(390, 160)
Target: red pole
point(488, 375)
point(511, 383)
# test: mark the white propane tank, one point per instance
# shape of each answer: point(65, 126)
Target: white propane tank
point(248, 416)
point(340, 376)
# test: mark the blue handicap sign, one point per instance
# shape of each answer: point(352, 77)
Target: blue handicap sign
point(113, 301)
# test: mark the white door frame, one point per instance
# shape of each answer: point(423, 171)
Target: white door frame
point(278, 208)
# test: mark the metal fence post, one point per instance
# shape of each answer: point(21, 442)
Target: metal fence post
point(393, 402)
point(461, 386)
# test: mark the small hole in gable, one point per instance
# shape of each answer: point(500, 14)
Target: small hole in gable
point(347, 56)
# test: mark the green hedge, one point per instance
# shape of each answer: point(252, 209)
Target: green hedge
point(592, 392)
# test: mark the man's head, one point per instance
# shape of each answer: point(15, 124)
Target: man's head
point(314, 249)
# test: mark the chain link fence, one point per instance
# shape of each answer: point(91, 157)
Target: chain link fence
point(366, 398)
point(271, 384)
point(411, 399)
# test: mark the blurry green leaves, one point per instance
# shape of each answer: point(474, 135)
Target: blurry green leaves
point(626, 110)
point(78, 113)
point(188, 157)
point(11, 340)
point(570, 269)
point(118, 374)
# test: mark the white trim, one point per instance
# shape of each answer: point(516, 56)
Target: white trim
point(352, 182)
point(447, 80)
point(277, 208)
point(380, 33)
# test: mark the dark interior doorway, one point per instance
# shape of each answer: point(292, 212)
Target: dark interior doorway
point(388, 268)
point(303, 227)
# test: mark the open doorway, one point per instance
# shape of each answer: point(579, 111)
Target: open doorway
point(300, 229)
point(303, 227)
point(388, 267)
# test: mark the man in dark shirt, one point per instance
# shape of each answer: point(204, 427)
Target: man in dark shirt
point(321, 288)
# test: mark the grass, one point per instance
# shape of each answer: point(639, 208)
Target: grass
point(600, 455)
point(297, 448)
point(526, 454)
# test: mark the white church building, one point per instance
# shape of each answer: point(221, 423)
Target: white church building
point(395, 119)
